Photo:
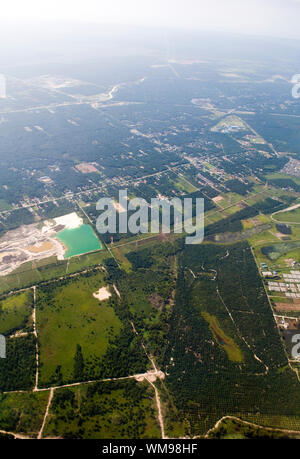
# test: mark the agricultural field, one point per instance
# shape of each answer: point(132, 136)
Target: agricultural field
point(224, 341)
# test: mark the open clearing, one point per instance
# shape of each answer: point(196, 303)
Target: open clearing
point(86, 168)
point(102, 294)
point(42, 247)
point(287, 307)
point(69, 221)
point(28, 243)
point(15, 312)
point(217, 199)
point(232, 350)
point(290, 215)
point(68, 315)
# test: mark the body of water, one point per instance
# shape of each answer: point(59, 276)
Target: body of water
point(79, 240)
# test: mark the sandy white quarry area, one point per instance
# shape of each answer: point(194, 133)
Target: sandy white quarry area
point(102, 294)
point(31, 242)
point(70, 221)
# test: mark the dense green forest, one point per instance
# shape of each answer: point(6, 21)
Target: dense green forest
point(206, 380)
point(17, 370)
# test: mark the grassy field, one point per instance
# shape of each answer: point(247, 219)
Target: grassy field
point(280, 175)
point(15, 312)
point(255, 221)
point(232, 210)
point(182, 184)
point(121, 258)
point(49, 268)
point(292, 216)
point(68, 315)
point(266, 237)
point(229, 199)
point(279, 257)
point(232, 350)
point(276, 251)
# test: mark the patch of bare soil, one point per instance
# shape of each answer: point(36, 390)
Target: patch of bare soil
point(218, 198)
point(156, 300)
point(102, 294)
point(287, 307)
point(86, 168)
point(40, 247)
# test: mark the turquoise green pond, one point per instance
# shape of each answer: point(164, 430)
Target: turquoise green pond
point(79, 240)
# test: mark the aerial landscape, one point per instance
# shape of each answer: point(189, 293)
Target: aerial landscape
point(143, 336)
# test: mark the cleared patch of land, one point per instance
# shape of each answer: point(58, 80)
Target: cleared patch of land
point(232, 350)
point(218, 199)
point(287, 306)
point(69, 221)
point(86, 168)
point(102, 294)
point(41, 247)
point(28, 243)
point(15, 312)
point(68, 315)
point(291, 215)
point(35, 242)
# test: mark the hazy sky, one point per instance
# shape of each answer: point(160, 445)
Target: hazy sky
point(262, 17)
